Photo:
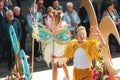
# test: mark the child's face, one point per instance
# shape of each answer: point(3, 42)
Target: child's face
point(81, 35)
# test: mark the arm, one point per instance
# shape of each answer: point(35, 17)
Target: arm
point(97, 32)
point(102, 42)
point(29, 23)
point(65, 19)
point(56, 56)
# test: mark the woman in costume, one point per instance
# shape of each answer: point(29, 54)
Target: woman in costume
point(56, 47)
point(83, 51)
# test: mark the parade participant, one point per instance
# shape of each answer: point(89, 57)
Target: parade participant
point(33, 19)
point(83, 51)
point(54, 46)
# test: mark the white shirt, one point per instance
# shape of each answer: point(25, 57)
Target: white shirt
point(49, 19)
point(80, 59)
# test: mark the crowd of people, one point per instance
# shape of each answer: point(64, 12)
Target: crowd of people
point(38, 13)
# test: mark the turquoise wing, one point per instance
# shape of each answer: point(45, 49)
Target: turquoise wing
point(26, 70)
point(62, 37)
point(45, 35)
point(14, 40)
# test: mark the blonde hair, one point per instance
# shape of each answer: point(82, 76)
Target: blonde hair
point(8, 11)
point(68, 4)
point(80, 28)
point(16, 7)
point(49, 9)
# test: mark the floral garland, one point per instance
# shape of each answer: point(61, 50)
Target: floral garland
point(99, 70)
point(15, 76)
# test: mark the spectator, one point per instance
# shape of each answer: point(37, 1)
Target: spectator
point(2, 29)
point(56, 5)
point(85, 21)
point(7, 3)
point(49, 19)
point(49, 14)
point(111, 12)
point(103, 6)
point(117, 5)
point(41, 8)
point(20, 17)
point(17, 26)
point(71, 17)
point(33, 18)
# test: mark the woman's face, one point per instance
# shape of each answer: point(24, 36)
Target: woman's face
point(70, 8)
point(111, 7)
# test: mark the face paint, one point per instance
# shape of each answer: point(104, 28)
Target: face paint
point(81, 35)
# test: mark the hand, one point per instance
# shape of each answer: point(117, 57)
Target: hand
point(94, 30)
point(117, 22)
point(53, 56)
point(73, 24)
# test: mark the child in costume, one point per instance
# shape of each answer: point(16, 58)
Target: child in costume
point(83, 51)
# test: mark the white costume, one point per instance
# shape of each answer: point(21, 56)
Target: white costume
point(58, 50)
point(55, 48)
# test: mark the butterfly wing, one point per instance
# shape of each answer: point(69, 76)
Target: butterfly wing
point(62, 36)
point(45, 35)
point(26, 70)
point(14, 40)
